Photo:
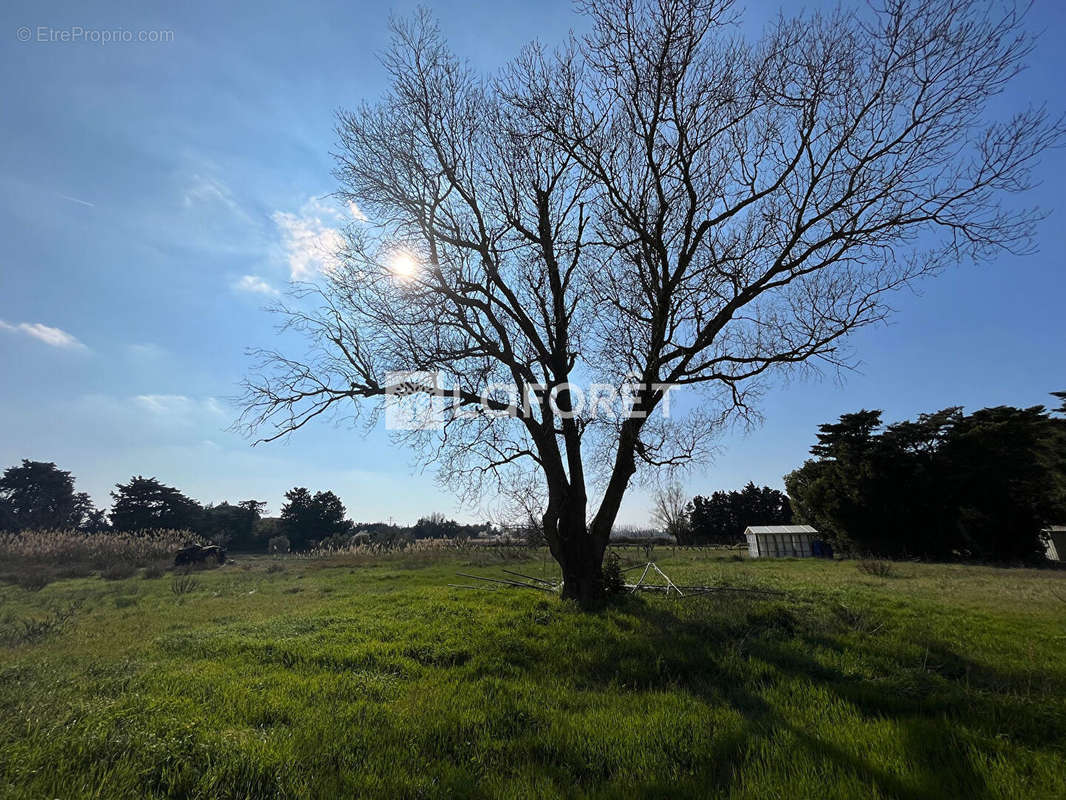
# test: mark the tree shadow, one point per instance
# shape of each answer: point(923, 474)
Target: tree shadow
point(733, 660)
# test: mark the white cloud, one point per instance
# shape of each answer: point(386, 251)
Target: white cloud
point(163, 403)
point(356, 212)
point(179, 405)
point(140, 424)
point(146, 351)
point(254, 285)
point(207, 190)
point(312, 237)
point(45, 333)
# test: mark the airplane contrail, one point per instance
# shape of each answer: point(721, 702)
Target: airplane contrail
point(76, 200)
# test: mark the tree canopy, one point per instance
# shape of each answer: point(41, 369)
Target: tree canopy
point(146, 504)
point(233, 525)
point(945, 485)
point(38, 495)
point(722, 517)
point(656, 203)
point(307, 519)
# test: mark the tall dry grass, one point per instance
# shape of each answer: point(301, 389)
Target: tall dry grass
point(34, 558)
point(420, 551)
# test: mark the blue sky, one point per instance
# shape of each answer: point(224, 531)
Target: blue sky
point(153, 196)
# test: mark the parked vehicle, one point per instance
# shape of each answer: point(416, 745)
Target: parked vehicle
point(198, 554)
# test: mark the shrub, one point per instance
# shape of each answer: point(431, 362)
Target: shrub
point(278, 544)
point(27, 631)
point(117, 571)
point(870, 566)
point(183, 584)
point(32, 580)
point(613, 580)
point(337, 541)
point(153, 571)
point(73, 571)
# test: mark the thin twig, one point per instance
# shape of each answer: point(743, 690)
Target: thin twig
point(530, 577)
point(505, 582)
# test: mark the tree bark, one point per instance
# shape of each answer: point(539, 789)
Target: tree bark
point(577, 545)
point(581, 559)
point(576, 548)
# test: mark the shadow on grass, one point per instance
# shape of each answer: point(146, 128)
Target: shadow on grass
point(945, 710)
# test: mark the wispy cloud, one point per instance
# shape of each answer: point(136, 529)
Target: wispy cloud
point(178, 405)
point(163, 403)
point(312, 237)
point(76, 200)
point(203, 190)
point(253, 284)
point(139, 423)
point(54, 337)
point(146, 351)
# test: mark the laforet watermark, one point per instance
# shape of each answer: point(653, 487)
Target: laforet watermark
point(79, 34)
point(418, 400)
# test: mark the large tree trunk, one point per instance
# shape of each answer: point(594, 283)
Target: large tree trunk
point(581, 559)
point(578, 546)
point(578, 551)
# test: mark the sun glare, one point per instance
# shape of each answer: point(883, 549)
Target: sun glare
point(403, 265)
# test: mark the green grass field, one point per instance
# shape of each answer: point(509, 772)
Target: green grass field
point(372, 678)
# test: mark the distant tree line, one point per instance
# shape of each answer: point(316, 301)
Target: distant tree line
point(946, 485)
point(722, 517)
point(37, 495)
point(719, 518)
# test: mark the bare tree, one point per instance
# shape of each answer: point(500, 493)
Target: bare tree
point(668, 512)
point(658, 202)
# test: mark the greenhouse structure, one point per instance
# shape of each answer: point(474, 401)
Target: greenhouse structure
point(781, 541)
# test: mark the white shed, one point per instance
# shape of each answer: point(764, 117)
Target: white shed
point(1055, 542)
point(781, 541)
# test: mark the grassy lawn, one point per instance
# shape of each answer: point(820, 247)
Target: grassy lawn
point(372, 678)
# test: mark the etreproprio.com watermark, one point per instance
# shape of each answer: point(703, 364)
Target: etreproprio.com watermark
point(417, 400)
point(77, 34)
